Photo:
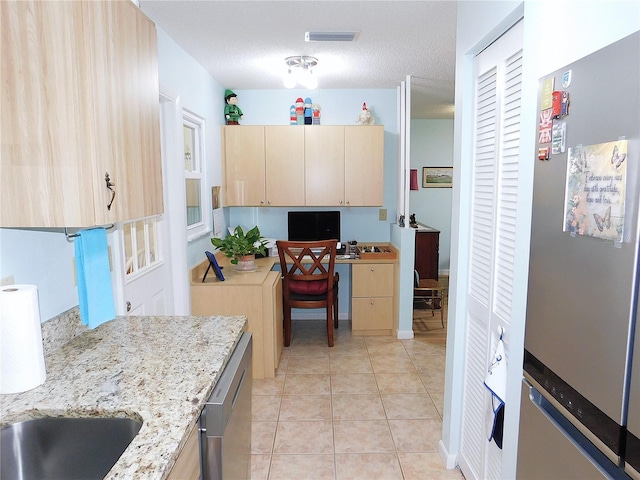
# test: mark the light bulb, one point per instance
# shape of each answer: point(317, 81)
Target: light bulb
point(289, 80)
point(311, 81)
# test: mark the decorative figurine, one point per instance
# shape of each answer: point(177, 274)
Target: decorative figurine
point(307, 111)
point(293, 119)
point(401, 221)
point(300, 111)
point(412, 221)
point(365, 117)
point(232, 112)
point(315, 108)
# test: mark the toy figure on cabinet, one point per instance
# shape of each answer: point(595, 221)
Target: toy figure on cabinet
point(293, 119)
point(232, 112)
point(315, 108)
point(300, 111)
point(365, 117)
point(307, 111)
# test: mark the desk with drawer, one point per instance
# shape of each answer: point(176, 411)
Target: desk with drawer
point(258, 295)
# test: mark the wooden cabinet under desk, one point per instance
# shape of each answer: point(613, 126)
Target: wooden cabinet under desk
point(427, 252)
point(258, 295)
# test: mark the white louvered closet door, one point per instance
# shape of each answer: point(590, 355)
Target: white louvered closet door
point(495, 174)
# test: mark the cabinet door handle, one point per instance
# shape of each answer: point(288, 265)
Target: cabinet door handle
point(371, 302)
point(348, 203)
point(340, 202)
point(128, 306)
point(373, 269)
point(109, 185)
point(262, 202)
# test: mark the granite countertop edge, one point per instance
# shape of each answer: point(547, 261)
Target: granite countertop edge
point(156, 369)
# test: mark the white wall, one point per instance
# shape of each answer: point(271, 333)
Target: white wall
point(556, 33)
point(432, 146)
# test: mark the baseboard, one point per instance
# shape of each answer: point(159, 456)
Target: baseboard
point(404, 334)
point(450, 461)
point(443, 273)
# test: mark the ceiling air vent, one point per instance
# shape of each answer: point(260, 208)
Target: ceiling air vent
point(331, 36)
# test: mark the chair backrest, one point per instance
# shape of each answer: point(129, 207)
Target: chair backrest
point(307, 267)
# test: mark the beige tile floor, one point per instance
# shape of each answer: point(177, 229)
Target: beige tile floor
point(368, 408)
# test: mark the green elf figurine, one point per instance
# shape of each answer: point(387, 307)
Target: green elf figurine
point(232, 112)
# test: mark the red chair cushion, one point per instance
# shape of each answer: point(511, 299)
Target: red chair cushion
point(314, 287)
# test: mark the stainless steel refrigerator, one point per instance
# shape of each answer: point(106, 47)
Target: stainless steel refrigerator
point(580, 409)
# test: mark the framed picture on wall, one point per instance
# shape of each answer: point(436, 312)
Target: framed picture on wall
point(437, 177)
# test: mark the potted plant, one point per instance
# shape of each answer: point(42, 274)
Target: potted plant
point(241, 247)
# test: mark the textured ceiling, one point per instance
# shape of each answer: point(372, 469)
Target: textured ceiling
point(243, 44)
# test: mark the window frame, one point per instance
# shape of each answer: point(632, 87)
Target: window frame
point(198, 172)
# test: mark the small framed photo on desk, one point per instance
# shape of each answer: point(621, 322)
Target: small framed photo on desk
point(213, 264)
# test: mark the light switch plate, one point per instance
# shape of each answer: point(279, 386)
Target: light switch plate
point(8, 280)
point(382, 214)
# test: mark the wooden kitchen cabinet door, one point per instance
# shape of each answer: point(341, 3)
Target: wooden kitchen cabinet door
point(324, 165)
point(363, 165)
point(79, 99)
point(244, 166)
point(124, 75)
point(284, 151)
point(44, 116)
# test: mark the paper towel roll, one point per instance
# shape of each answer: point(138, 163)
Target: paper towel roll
point(21, 354)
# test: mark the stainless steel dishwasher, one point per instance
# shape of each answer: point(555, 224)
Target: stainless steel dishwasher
point(225, 422)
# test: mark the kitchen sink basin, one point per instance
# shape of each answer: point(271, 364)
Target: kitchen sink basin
point(64, 447)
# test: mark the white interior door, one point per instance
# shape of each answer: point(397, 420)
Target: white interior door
point(147, 270)
point(498, 71)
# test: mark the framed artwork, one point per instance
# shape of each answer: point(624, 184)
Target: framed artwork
point(213, 263)
point(437, 177)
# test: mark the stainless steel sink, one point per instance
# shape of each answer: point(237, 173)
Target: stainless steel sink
point(64, 447)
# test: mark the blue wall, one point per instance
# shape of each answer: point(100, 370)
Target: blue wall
point(432, 146)
point(338, 107)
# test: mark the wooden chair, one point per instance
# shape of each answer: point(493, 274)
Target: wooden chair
point(428, 291)
point(307, 282)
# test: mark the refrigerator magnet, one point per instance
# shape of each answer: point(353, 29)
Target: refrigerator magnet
point(544, 153)
point(558, 135)
point(566, 79)
point(545, 125)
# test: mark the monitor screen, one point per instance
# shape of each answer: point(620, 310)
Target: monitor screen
point(308, 226)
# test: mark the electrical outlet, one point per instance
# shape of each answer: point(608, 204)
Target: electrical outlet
point(382, 214)
point(8, 280)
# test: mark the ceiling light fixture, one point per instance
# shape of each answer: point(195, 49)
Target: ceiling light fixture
point(300, 72)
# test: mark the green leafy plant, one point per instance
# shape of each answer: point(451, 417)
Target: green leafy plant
point(239, 244)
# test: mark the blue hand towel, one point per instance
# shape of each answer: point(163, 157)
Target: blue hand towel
point(95, 295)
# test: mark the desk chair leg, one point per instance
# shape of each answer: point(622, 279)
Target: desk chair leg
point(335, 312)
point(287, 327)
point(441, 309)
point(330, 324)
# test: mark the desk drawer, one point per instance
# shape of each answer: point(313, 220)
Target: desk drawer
point(373, 314)
point(372, 280)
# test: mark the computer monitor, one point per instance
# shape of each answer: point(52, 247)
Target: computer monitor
point(309, 226)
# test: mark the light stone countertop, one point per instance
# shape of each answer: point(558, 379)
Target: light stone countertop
point(160, 370)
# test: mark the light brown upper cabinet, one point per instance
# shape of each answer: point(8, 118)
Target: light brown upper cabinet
point(285, 165)
point(303, 166)
point(263, 165)
point(324, 165)
point(363, 165)
point(244, 166)
point(79, 102)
